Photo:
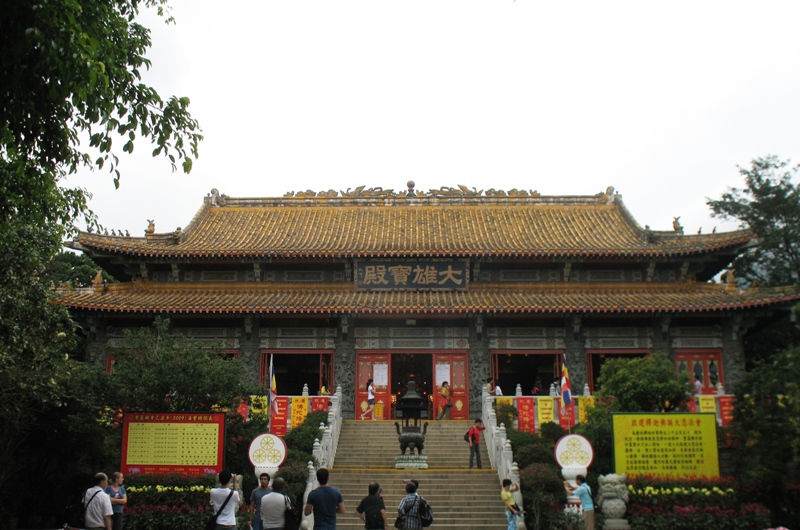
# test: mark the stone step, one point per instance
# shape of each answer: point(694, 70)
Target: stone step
point(366, 454)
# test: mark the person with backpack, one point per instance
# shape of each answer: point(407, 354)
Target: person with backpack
point(474, 439)
point(414, 512)
point(372, 509)
point(97, 509)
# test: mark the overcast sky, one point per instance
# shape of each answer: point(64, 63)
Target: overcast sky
point(661, 100)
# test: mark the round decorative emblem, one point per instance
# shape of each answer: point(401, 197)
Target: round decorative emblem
point(573, 450)
point(267, 450)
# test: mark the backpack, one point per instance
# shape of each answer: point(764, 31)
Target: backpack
point(372, 515)
point(468, 436)
point(425, 513)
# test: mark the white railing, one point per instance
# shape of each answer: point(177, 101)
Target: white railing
point(307, 521)
point(325, 450)
point(501, 455)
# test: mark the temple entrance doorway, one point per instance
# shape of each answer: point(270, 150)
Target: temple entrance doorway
point(392, 370)
point(417, 367)
point(527, 368)
point(293, 369)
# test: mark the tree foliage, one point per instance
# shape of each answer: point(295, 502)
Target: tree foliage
point(160, 371)
point(71, 96)
point(769, 205)
point(71, 72)
point(77, 270)
point(644, 384)
point(766, 428)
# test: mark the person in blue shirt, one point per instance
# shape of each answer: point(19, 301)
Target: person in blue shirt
point(255, 501)
point(119, 498)
point(325, 501)
point(584, 493)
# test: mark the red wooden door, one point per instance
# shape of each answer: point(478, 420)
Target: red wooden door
point(373, 366)
point(453, 368)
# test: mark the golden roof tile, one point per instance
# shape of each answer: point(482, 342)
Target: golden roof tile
point(553, 298)
point(384, 226)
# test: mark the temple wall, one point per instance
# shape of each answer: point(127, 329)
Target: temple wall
point(478, 366)
point(344, 371)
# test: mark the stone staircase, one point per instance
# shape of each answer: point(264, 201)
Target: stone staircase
point(459, 497)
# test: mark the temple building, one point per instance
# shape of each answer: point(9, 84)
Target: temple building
point(454, 284)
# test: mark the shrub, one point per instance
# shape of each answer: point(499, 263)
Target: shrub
point(552, 432)
point(543, 495)
point(520, 439)
point(506, 414)
point(537, 452)
point(302, 437)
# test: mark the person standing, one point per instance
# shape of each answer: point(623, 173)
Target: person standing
point(255, 501)
point(584, 493)
point(325, 501)
point(494, 389)
point(372, 509)
point(227, 490)
point(475, 442)
point(119, 498)
point(444, 402)
point(370, 400)
point(409, 507)
point(273, 506)
point(510, 503)
point(698, 386)
point(97, 505)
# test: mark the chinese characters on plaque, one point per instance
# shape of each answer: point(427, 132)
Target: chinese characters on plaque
point(172, 443)
point(451, 275)
point(677, 445)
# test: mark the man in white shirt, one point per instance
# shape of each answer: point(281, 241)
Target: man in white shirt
point(274, 506)
point(97, 504)
point(226, 519)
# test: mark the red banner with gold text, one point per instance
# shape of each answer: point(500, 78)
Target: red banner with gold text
point(566, 414)
point(319, 403)
point(277, 423)
point(525, 414)
point(726, 409)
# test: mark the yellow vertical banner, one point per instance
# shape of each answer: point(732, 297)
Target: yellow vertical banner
point(707, 404)
point(258, 405)
point(299, 410)
point(584, 404)
point(545, 410)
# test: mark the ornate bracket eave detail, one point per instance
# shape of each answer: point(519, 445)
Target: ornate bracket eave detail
point(576, 326)
point(665, 321)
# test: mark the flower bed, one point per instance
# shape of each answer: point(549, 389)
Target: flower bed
point(177, 502)
point(667, 503)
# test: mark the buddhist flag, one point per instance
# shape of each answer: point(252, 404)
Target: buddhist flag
point(273, 387)
point(566, 393)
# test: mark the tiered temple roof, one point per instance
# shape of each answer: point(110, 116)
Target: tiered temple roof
point(446, 223)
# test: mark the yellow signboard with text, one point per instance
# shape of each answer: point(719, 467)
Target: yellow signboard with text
point(676, 445)
point(545, 410)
